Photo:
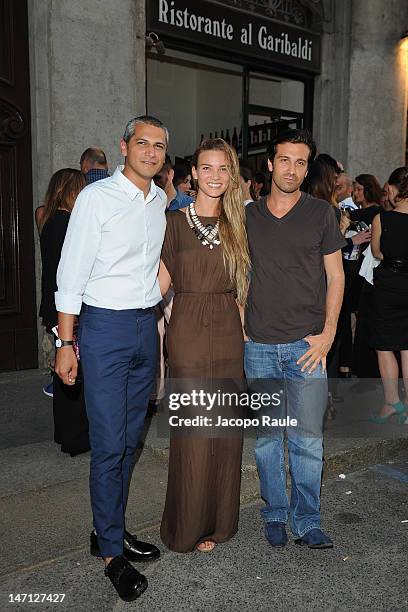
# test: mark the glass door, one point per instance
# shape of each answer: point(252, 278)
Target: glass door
point(271, 105)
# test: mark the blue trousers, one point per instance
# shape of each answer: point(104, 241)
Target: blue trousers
point(119, 357)
point(305, 400)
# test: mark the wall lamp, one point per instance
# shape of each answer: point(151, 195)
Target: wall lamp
point(154, 42)
point(404, 41)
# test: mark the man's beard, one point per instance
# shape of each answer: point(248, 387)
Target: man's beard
point(287, 188)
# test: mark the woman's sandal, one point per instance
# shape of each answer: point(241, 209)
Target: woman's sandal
point(206, 546)
point(399, 412)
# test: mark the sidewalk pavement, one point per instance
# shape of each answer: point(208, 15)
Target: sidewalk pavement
point(45, 515)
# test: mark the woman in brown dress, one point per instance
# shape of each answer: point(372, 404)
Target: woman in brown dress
point(205, 257)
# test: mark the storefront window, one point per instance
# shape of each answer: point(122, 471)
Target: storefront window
point(239, 69)
point(196, 97)
point(199, 97)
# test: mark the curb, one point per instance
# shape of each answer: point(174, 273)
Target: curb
point(348, 460)
point(360, 457)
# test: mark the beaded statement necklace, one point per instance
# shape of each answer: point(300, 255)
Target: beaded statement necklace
point(206, 234)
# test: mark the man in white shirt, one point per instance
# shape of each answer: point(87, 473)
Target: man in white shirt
point(344, 190)
point(108, 274)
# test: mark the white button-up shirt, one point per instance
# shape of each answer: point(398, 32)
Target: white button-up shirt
point(111, 252)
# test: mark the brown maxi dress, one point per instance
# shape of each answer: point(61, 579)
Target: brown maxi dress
point(204, 340)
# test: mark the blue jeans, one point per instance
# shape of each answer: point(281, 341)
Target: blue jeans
point(119, 356)
point(306, 398)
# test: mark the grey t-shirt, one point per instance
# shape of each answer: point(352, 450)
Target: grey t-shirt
point(287, 293)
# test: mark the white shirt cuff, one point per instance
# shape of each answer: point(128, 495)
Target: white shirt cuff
point(68, 302)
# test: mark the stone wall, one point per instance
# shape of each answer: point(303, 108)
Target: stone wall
point(87, 79)
point(87, 63)
point(378, 91)
point(332, 86)
point(361, 95)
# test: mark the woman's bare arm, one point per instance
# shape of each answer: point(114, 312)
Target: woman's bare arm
point(164, 279)
point(375, 237)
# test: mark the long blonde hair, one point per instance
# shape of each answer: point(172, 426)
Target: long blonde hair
point(232, 232)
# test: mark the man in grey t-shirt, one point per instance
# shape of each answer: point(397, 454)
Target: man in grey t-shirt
point(294, 300)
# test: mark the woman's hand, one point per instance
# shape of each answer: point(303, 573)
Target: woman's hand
point(362, 237)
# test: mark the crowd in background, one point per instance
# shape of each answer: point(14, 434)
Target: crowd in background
point(255, 263)
point(356, 203)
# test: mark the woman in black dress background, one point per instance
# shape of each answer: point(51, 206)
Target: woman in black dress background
point(389, 318)
point(368, 195)
point(70, 421)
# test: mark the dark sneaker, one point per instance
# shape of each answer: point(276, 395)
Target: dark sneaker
point(275, 533)
point(128, 582)
point(315, 538)
point(48, 390)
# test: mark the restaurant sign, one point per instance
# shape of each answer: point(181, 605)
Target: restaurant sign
point(235, 31)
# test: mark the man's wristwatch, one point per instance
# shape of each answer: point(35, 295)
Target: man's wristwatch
point(60, 343)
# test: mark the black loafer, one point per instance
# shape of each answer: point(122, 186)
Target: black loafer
point(128, 582)
point(136, 550)
point(133, 549)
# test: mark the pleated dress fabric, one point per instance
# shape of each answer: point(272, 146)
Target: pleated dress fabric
point(204, 341)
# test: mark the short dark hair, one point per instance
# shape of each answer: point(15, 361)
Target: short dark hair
point(162, 176)
point(167, 164)
point(181, 170)
point(259, 177)
point(245, 172)
point(296, 137)
point(147, 120)
point(93, 155)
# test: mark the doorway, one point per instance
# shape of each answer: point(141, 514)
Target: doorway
point(271, 105)
point(195, 97)
point(201, 97)
point(18, 319)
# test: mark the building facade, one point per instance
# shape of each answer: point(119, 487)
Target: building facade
point(73, 73)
